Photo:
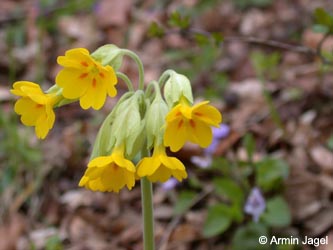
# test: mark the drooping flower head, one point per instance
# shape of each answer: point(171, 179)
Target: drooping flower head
point(255, 204)
point(35, 107)
point(109, 173)
point(190, 123)
point(161, 167)
point(85, 78)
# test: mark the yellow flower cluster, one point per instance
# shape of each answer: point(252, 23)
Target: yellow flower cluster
point(84, 78)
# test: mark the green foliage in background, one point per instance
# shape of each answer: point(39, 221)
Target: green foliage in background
point(323, 21)
point(19, 161)
point(232, 184)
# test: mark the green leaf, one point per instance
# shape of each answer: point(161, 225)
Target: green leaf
point(184, 201)
point(155, 30)
point(178, 20)
point(201, 39)
point(330, 142)
point(218, 220)
point(54, 243)
point(248, 236)
point(218, 38)
point(266, 64)
point(249, 145)
point(237, 212)
point(222, 165)
point(323, 17)
point(194, 182)
point(270, 172)
point(277, 213)
point(229, 189)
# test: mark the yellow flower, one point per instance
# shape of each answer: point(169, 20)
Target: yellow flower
point(161, 167)
point(86, 79)
point(109, 173)
point(186, 123)
point(35, 107)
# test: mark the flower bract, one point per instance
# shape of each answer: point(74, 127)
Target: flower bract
point(35, 107)
point(161, 167)
point(190, 123)
point(85, 78)
point(109, 173)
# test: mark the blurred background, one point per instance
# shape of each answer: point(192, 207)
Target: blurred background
point(266, 64)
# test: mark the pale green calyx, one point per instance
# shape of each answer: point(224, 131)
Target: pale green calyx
point(155, 121)
point(128, 124)
point(176, 87)
point(109, 54)
point(105, 139)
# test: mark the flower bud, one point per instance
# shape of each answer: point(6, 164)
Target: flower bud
point(109, 54)
point(124, 125)
point(103, 144)
point(176, 87)
point(155, 121)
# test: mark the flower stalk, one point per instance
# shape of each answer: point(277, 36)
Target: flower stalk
point(148, 214)
point(138, 61)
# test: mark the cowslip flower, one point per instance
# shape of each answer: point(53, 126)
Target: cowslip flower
point(255, 204)
point(109, 173)
point(85, 78)
point(186, 123)
point(35, 107)
point(160, 167)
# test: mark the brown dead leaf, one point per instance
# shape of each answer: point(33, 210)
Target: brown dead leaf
point(304, 194)
point(76, 198)
point(255, 20)
point(327, 182)
point(248, 89)
point(185, 232)
point(228, 142)
point(319, 223)
point(312, 39)
point(11, 231)
point(113, 12)
point(87, 37)
point(163, 212)
point(323, 157)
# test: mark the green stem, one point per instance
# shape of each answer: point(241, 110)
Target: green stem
point(147, 210)
point(153, 85)
point(125, 78)
point(164, 77)
point(137, 60)
point(269, 100)
point(148, 217)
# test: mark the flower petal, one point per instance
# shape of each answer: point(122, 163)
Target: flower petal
point(207, 114)
point(73, 86)
point(100, 161)
point(175, 135)
point(200, 133)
